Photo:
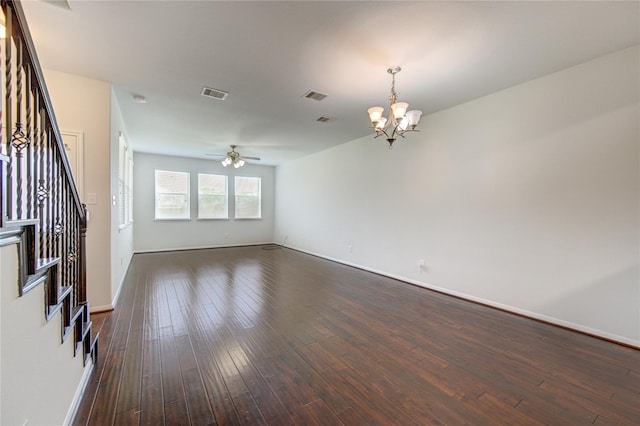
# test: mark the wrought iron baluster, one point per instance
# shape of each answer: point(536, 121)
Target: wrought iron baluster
point(64, 237)
point(57, 225)
point(37, 164)
point(51, 185)
point(7, 113)
point(19, 139)
point(30, 133)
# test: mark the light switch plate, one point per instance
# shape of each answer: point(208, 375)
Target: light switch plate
point(91, 198)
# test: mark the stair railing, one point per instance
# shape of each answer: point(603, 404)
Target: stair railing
point(38, 188)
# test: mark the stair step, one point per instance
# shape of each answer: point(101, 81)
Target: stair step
point(46, 263)
point(21, 222)
point(74, 317)
point(64, 292)
point(39, 274)
point(32, 282)
point(56, 300)
point(93, 348)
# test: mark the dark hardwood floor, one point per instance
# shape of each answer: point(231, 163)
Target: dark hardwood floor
point(254, 336)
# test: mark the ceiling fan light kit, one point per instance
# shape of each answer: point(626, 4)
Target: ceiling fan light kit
point(234, 159)
point(399, 121)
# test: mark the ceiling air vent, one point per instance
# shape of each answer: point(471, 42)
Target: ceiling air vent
point(316, 96)
point(214, 93)
point(323, 119)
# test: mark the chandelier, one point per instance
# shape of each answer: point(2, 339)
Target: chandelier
point(233, 158)
point(400, 120)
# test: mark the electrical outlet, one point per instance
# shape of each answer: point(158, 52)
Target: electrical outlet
point(350, 248)
point(421, 265)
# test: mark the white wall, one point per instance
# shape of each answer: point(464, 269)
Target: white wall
point(153, 235)
point(526, 199)
point(41, 379)
point(82, 103)
point(121, 239)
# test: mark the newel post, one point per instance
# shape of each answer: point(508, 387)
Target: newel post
point(82, 279)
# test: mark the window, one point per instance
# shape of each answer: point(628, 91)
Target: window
point(248, 197)
point(125, 179)
point(172, 195)
point(212, 196)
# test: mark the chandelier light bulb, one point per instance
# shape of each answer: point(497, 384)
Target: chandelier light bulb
point(404, 123)
point(375, 114)
point(399, 109)
point(414, 118)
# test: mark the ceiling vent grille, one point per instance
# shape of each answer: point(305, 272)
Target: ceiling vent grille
point(214, 93)
point(316, 96)
point(323, 119)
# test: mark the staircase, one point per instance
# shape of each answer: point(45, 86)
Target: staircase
point(40, 209)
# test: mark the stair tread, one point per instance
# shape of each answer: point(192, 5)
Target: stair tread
point(21, 222)
point(64, 292)
point(76, 312)
point(86, 329)
point(46, 262)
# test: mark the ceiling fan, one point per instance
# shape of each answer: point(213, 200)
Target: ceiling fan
point(234, 158)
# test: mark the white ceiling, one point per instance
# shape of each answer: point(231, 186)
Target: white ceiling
point(268, 54)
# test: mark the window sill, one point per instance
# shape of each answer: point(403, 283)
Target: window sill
point(126, 225)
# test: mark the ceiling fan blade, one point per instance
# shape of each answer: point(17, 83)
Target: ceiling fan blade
point(250, 158)
point(216, 155)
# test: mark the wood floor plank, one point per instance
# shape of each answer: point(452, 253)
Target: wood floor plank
point(250, 336)
point(151, 405)
point(127, 418)
point(171, 374)
point(130, 390)
point(104, 408)
point(176, 412)
point(200, 412)
point(216, 390)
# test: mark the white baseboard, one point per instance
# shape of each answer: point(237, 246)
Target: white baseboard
point(117, 295)
point(77, 397)
point(523, 312)
point(200, 247)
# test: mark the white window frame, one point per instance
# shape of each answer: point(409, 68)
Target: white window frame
point(202, 204)
point(187, 209)
point(125, 183)
point(236, 203)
